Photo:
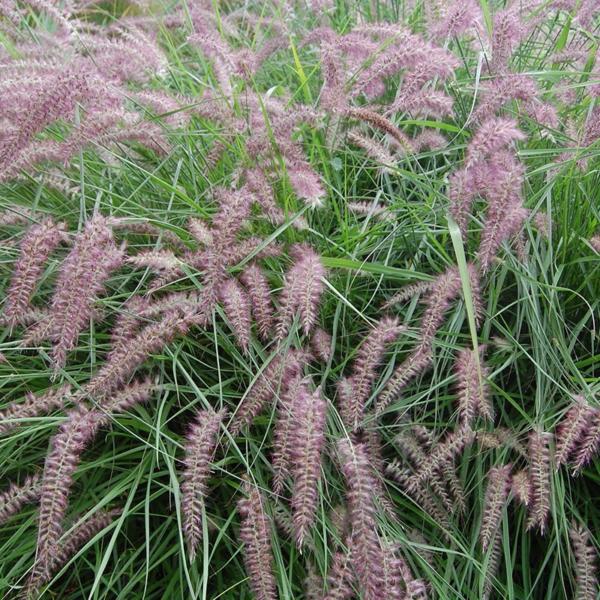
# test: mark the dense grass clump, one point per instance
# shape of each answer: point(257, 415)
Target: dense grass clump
point(300, 300)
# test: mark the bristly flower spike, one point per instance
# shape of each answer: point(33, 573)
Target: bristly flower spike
point(281, 458)
point(33, 406)
point(539, 475)
point(307, 442)
point(37, 245)
point(364, 369)
point(255, 534)
point(60, 465)
point(496, 496)
point(301, 295)
point(585, 568)
point(236, 303)
point(364, 543)
point(590, 444)
point(200, 447)
point(257, 286)
point(572, 429)
point(473, 390)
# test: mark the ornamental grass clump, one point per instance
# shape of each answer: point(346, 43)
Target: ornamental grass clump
point(300, 299)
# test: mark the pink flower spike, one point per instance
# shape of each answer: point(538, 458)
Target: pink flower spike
point(302, 290)
point(307, 442)
point(37, 245)
point(200, 447)
point(255, 534)
point(236, 304)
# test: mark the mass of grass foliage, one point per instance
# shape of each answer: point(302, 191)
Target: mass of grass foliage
point(299, 299)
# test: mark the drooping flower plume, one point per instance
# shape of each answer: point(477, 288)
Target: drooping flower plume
point(255, 534)
point(306, 445)
point(539, 475)
point(585, 564)
point(302, 290)
point(37, 245)
point(200, 449)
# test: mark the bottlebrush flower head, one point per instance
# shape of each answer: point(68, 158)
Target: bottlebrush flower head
point(255, 534)
point(258, 289)
point(281, 458)
point(496, 497)
point(82, 278)
point(539, 475)
point(67, 446)
point(33, 406)
point(509, 29)
point(383, 124)
point(137, 392)
point(443, 291)
point(473, 390)
point(302, 290)
point(502, 89)
point(416, 446)
point(571, 430)
point(399, 582)
point(321, 344)
point(374, 149)
point(237, 305)
point(16, 496)
point(585, 564)
point(497, 231)
point(457, 19)
point(373, 445)
point(306, 446)
point(364, 369)
point(306, 183)
point(365, 546)
point(493, 135)
point(590, 444)
point(200, 448)
point(37, 245)
point(407, 292)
